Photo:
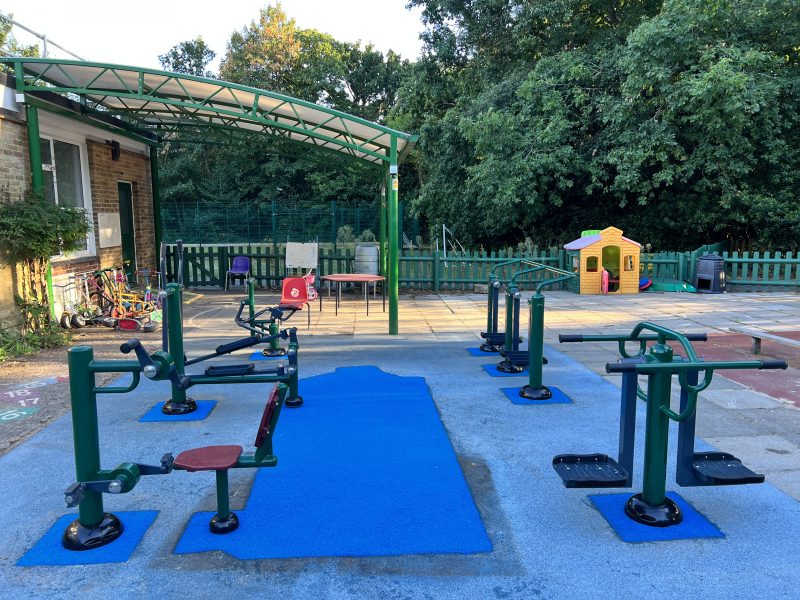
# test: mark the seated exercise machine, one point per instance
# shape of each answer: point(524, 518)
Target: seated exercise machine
point(94, 527)
point(259, 326)
point(652, 506)
point(174, 368)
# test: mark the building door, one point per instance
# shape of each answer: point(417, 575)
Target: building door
point(127, 235)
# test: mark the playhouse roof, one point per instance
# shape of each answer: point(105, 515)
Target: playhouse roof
point(588, 240)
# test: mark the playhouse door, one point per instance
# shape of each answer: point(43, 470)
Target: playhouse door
point(612, 262)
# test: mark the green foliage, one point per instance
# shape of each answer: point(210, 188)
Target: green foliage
point(190, 57)
point(344, 235)
point(14, 345)
point(36, 229)
point(9, 44)
point(675, 120)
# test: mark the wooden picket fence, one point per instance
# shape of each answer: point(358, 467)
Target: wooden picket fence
point(205, 265)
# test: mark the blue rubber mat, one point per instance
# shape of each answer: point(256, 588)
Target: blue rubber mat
point(492, 370)
point(694, 525)
point(260, 356)
point(365, 469)
point(154, 415)
point(479, 352)
point(558, 397)
point(49, 551)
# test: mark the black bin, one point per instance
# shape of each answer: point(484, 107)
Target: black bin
point(709, 274)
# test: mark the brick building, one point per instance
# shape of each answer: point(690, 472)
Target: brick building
point(103, 170)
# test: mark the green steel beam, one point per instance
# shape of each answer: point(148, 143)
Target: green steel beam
point(34, 149)
point(394, 258)
point(155, 188)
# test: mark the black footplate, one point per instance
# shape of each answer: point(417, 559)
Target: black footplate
point(721, 468)
point(497, 339)
point(518, 357)
point(224, 370)
point(590, 471)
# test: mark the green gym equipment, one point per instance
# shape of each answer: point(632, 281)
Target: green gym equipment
point(659, 364)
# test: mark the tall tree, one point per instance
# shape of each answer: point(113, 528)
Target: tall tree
point(190, 57)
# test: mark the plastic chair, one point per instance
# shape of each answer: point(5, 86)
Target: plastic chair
point(294, 295)
point(239, 268)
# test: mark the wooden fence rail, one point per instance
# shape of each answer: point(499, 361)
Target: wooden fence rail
point(205, 265)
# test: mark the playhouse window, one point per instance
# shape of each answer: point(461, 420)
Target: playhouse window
point(591, 264)
point(629, 263)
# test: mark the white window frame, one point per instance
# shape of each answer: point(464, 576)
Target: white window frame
point(51, 133)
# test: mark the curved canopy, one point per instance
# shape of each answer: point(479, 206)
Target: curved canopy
point(167, 104)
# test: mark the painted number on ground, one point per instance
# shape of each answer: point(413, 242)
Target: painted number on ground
point(16, 413)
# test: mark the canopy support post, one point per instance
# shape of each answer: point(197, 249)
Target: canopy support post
point(394, 258)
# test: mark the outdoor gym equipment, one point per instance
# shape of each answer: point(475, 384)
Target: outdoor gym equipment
point(514, 359)
point(494, 339)
point(94, 527)
point(264, 327)
point(651, 506)
point(171, 362)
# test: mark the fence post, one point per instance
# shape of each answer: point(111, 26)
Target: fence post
point(436, 273)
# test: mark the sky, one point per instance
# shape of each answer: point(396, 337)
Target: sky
point(135, 33)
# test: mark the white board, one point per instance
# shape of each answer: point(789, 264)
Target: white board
point(109, 229)
point(301, 256)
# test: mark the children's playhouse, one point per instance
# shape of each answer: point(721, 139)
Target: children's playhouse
point(607, 250)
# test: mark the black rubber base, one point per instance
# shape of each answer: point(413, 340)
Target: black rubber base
point(532, 393)
point(294, 402)
point(487, 347)
point(661, 515)
point(509, 367)
point(217, 525)
point(271, 352)
point(179, 408)
point(79, 537)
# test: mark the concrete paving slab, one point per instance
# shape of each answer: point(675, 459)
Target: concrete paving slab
point(739, 399)
point(764, 452)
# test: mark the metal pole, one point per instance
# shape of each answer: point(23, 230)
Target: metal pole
point(155, 188)
point(394, 259)
point(178, 404)
point(382, 203)
point(535, 390)
point(34, 149)
point(274, 227)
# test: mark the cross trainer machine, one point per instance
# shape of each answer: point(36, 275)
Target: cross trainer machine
point(94, 527)
point(651, 506)
point(259, 326)
point(173, 347)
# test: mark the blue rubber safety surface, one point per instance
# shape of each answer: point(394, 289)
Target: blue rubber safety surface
point(558, 397)
point(478, 352)
point(365, 469)
point(154, 415)
point(492, 371)
point(49, 551)
point(693, 526)
point(260, 356)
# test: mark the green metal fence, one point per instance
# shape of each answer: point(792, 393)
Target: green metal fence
point(206, 265)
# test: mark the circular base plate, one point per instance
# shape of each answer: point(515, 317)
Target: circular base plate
point(661, 515)
point(217, 525)
point(294, 402)
point(532, 393)
point(507, 367)
point(271, 352)
point(487, 347)
point(80, 537)
point(179, 408)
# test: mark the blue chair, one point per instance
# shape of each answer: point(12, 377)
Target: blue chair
point(239, 268)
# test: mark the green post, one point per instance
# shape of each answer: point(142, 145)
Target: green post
point(294, 399)
point(509, 339)
point(274, 203)
point(437, 271)
point(394, 260)
point(382, 225)
point(251, 303)
point(34, 149)
point(84, 430)
point(652, 506)
point(223, 505)
point(156, 191)
point(535, 390)
point(50, 302)
point(179, 403)
point(333, 223)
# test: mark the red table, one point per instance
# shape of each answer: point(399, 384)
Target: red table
point(363, 278)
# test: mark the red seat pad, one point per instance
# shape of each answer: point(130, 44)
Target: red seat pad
point(208, 458)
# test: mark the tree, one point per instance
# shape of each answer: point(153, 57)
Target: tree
point(9, 44)
point(190, 57)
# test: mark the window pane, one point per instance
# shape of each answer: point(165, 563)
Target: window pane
point(49, 186)
point(47, 157)
point(591, 264)
point(68, 174)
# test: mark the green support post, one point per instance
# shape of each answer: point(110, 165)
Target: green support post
point(155, 187)
point(274, 204)
point(394, 258)
point(179, 403)
point(535, 390)
point(382, 226)
point(50, 301)
point(437, 271)
point(511, 290)
point(251, 303)
point(294, 398)
point(333, 223)
point(652, 506)
point(34, 149)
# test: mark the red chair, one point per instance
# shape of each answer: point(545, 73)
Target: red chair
point(294, 295)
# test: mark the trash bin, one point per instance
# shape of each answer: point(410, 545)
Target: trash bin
point(709, 274)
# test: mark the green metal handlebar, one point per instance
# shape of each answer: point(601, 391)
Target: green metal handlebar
point(117, 366)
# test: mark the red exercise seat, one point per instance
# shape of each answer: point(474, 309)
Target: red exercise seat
point(208, 458)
